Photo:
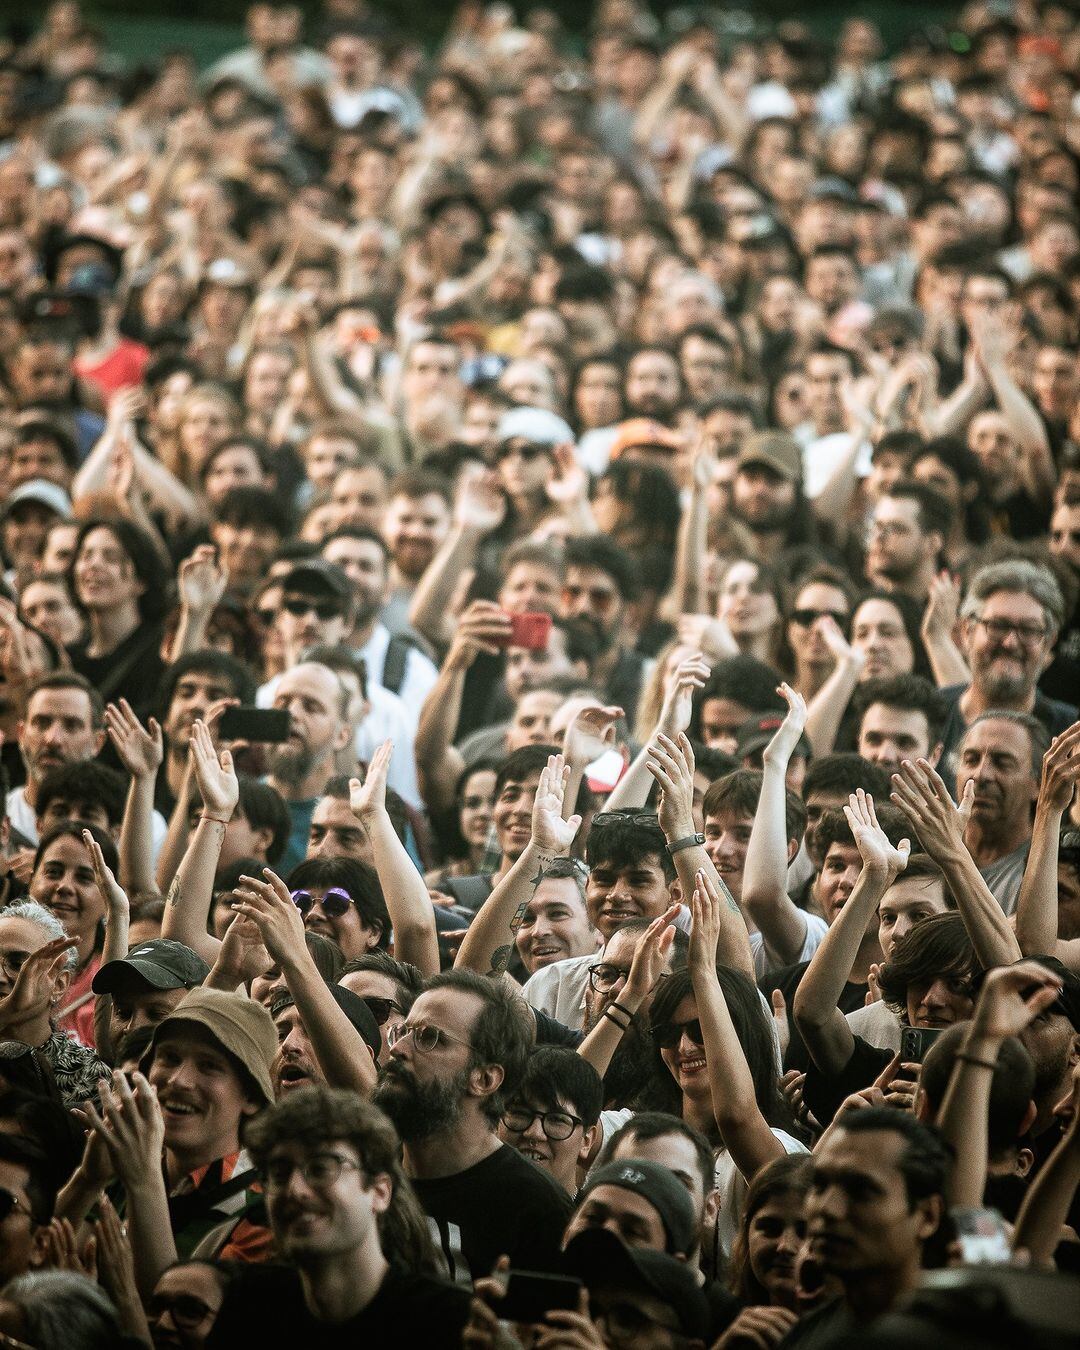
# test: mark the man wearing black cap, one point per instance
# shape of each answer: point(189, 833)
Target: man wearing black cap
point(316, 608)
point(641, 1203)
point(147, 984)
point(298, 1063)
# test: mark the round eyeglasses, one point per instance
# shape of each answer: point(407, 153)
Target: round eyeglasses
point(557, 1125)
point(334, 903)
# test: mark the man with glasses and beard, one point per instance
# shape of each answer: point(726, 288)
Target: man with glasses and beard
point(601, 581)
point(454, 1063)
point(302, 765)
point(1011, 616)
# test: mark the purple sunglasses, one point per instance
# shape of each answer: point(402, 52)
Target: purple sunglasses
point(335, 902)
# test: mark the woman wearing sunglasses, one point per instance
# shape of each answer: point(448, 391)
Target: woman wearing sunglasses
point(715, 1050)
point(341, 899)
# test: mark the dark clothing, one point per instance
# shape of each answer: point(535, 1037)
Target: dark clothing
point(824, 1095)
point(469, 892)
point(787, 980)
point(822, 1329)
point(132, 671)
point(265, 1307)
point(623, 688)
point(504, 1205)
point(552, 1032)
point(1053, 714)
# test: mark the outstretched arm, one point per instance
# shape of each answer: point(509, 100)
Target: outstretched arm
point(764, 897)
point(187, 905)
point(744, 1129)
point(1037, 907)
point(407, 901)
point(202, 583)
point(633, 788)
point(141, 752)
point(489, 942)
point(115, 948)
point(920, 792)
point(823, 1026)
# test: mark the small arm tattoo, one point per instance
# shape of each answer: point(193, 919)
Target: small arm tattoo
point(173, 896)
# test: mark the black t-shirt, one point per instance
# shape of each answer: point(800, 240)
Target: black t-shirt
point(132, 671)
point(502, 1205)
point(787, 980)
point(824, 1095)
point(265, 1307)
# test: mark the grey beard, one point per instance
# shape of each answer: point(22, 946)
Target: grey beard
point(292, 767)
point(1002, 688)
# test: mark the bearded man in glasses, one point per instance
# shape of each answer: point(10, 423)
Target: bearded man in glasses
point(455, 1062)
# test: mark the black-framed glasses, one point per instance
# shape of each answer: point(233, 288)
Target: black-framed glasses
point(806, 618)
point(334, 903)
point(642, 819)
point(319, 1171)
point(381, 1008)
point(1030, 634)
point(187, 1312)
point(667, 1035)
point(557, 1125)
point(322, 609)
point(9, 1204)
point(424, 1036)
point(604, 976)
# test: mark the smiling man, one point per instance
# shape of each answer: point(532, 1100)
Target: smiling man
point(556, 924)
point(553, 1118)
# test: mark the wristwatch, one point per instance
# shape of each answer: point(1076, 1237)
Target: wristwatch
point(687, 841)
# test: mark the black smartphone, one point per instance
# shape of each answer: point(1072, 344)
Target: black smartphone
point(531, 1294)
point(254, 724)
point(915, 1041)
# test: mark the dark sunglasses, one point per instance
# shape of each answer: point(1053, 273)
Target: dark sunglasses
point(322, 609)
point(806, 617)
point(188, 1312)
point(335, 902)
point(639, 819)
point(527, 451)
point(667, 1035)
point(381, 1008)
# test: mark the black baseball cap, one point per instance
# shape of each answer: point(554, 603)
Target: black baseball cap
point(157, 964)
point(604, 1262)
point(663, 1190)
point(360, 1015)
point(316, 577)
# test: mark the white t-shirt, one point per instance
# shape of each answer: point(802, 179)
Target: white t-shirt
point(730, 1183)
point(420, 673)
point(23, 817)
point(877, 1024)
point(559, 989)
point(765, 961)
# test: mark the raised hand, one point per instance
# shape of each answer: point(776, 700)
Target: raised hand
point(480, 505)
point(202, 581)
point(242, 954)
point(32, 993)
point(782, 746)
point(671, 763)
point(877, 853)
point(1012, 997)
point(918, 790)
point(116, 1269)
point(942, 607)
point(757, 1328)
point(677, 710)
point(569, 483)
point(552, 834)
point(130, 1123)
point(484, 627)
point(368, 799)
point(1061, 770)
point(141, 749)
point(705, 907)
point(711, 637)
point(590, 734)
point(650, 955)
point(112, 893)
point(214, 774)
point(269, 905)
point(840, 649)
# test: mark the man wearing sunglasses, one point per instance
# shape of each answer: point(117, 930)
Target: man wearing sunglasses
point(316, 608)
point(553, 1119)
point(27, 1199)
point(454, 1063)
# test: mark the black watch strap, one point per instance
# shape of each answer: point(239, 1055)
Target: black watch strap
point(687, 841)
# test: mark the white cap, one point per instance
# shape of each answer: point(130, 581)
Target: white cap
point(536, 425)
point(40, 490)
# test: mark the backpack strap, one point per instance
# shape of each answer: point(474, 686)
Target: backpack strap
point(397, 657)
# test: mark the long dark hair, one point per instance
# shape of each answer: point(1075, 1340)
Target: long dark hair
point(145, 561)
point(787, 1175)
point(751, 1027)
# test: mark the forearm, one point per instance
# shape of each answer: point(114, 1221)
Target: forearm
point(764, 895)
point(150, 1232)
point(1048, 1201)
point(687, 595)
point(407, 899)
point(136, 837)
point(489, 942)
point(823, 1026)
point(77, 1198)
point(187, 904)
point(599, 1046)
point(834, 499)
point(190, 635)
point(438, 763)
point(946, 660)
point(826, 709)
point(963, 1119)
point(994, 941)
point(743, 1128)
point(431, 601)
point(733, 947)
point(633, 788)
point(1037, 906)
point(954, 413)
point(324, 377)
point(341, 1052)
point(177, 835)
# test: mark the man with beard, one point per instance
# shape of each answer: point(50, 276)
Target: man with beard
point(1000, 756)
point(653, 385)
point(1011, 615)
point(190, 686)
point(396, 663)
point(302, 1060)
point(601, 581)
point(64, 723)
point(300, 768)
point(907, 532)
point(767, 502)
point(416, 522)
point(454, 1062)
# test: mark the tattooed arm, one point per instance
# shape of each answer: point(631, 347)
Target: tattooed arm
point(187, 904)
point(489, 943)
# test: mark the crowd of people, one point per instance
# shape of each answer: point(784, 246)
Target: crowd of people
point(539, 653)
